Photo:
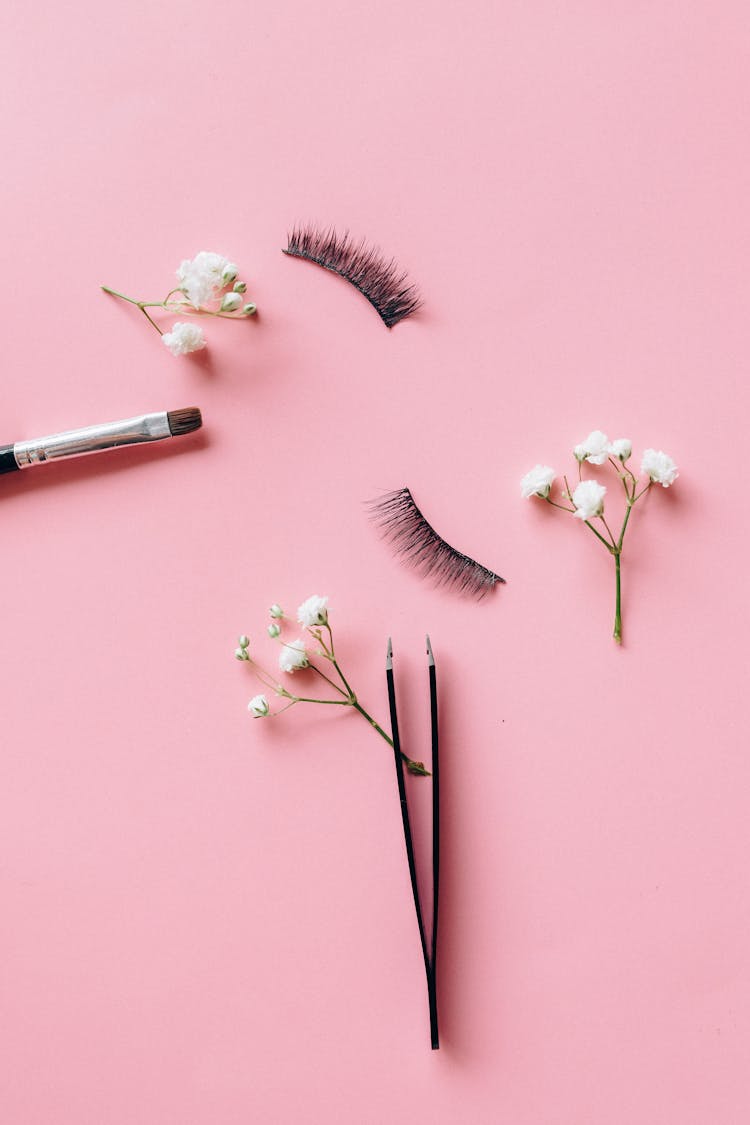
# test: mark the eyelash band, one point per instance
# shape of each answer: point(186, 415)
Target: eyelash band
point(383, 282)
point(404, 526)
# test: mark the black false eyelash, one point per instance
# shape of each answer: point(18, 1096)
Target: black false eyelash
point(416, 540)
point(383, 282)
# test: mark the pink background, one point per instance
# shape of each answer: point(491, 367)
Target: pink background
point(207, 920)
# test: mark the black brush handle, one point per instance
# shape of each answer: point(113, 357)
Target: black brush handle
point(8, 463)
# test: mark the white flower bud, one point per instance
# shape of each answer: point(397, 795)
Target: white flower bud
point(250, 309)
point(293, 656)
point(273, 630)
point(202, 279)
point(594, 449)
point(231, 302)
point(276, 610)
point(622, 449)
point(244, 641)
point(537, 482)
point(240, 654)
point(313, 612)
point(258, 707)
point(184, 338)
point(239, 287)
point(659, 466)
point(588, 499)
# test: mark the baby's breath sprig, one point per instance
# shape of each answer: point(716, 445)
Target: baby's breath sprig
point(209, 286)
point(294, 656)
point(587, 498)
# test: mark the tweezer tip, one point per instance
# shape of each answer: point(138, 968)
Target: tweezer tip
point(389, 657)
point(429, 650)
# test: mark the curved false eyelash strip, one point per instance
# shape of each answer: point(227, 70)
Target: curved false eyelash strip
point(413, 538)
point(382, 282)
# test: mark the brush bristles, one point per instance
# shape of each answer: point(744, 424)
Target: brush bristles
point(411, 535)
point(379, 279)
point(184, 421)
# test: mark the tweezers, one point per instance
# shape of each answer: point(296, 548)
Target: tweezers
point(429, 954)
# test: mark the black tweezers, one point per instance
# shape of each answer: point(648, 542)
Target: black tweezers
point(430, 956)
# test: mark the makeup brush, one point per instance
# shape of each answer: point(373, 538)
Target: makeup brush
point(95, 439)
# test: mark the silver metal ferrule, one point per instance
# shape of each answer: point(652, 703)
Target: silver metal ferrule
point(92, 439)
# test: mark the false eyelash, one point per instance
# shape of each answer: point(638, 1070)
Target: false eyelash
point(416, 540)
point(383, 282)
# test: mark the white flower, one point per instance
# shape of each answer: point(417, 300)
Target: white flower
point(276, 610)
point(202, 278)
point(258, 706)
point(231, 302)
point(184, 338)
point(595, 448)
point(273, 631)
point(293, 656)
point(314, 611)
point(537, 482)
point(659, 467)
point(588, 499)
point(621, 448)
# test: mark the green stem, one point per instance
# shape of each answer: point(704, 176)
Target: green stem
point(133, 301)
point(327, 702)
point(625, 524)
point(150, 320)
point(183, 310)
point(265, 678)
point(413, 767)
point(617, 634)
point(335, 686)
point(618, 553)
point(274, 714)
point(114, 293)
point(344, 680)
point(598, 536)
point(317, 636)
point(358, 707)
point(609, 531)
point(142, 305)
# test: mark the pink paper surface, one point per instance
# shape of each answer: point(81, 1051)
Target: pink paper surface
point(205, 919)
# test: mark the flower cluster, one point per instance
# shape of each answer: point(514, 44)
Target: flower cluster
point(586, 500)
point(295, 656)
point(209, 285)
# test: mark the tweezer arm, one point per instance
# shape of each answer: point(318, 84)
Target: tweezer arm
point(410, 847)
point(435, 766)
